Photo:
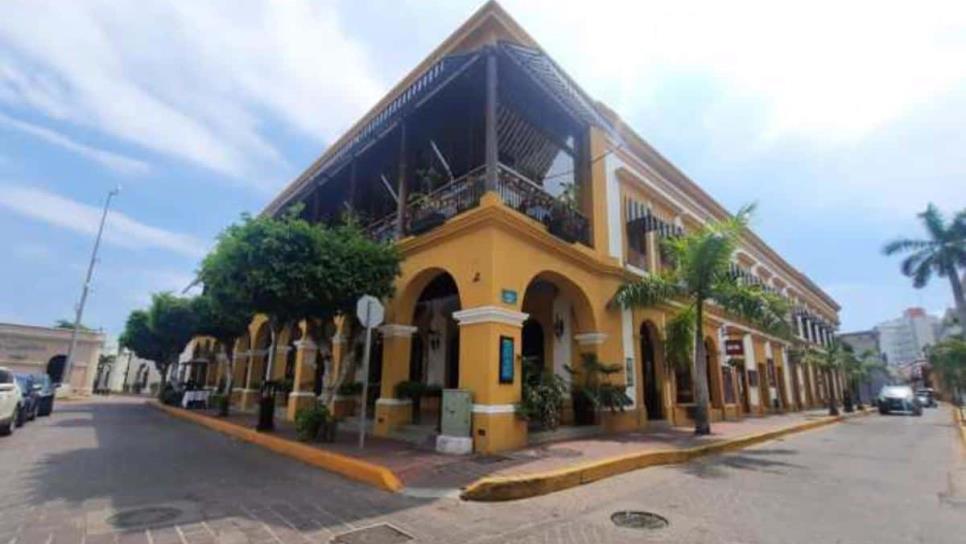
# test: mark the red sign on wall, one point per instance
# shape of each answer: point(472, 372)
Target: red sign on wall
point(734, 348)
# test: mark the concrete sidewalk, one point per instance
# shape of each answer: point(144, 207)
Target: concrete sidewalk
point(531, 471)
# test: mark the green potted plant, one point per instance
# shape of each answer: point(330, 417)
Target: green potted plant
point(424, 217)
point(594, 391)
point(308, 422)
point(543, 395)
point(413, 391)
point(345, 401)
point(564, 220)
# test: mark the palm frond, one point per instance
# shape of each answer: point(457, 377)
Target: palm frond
point(648, 291)
point(935, 224)
point(679, 341)
point(768, 311)
point(904, 245)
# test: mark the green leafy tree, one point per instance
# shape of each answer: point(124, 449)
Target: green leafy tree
point(858, 369)
point(289, 270)
point(699, 274)
point(225, 319)
point(829, 361)
point(160, 333)
point(948, 361)
point(68, 324)
point(943, 253)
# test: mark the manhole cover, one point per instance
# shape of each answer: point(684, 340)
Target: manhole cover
point(638, 520)
point(140, 517)
point(377, 534)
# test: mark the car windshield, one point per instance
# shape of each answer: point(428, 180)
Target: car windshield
point(5, 376)
point(899, 391)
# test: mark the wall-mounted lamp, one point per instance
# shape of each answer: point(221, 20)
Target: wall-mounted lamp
point(434, 339)
point(558, 326)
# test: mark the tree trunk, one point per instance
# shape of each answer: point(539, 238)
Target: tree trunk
point(833, 408)
point(163, 371)
point(958, 296)
point(230, 381)
point(702, 423)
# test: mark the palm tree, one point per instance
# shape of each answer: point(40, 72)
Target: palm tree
point(829, 361)
point(699, 274)
point(858, 370)
point(943, 253)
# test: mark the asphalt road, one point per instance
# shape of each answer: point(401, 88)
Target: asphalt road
point(870, 479)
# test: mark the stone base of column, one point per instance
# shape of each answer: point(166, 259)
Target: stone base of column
point(616, 422)
point(497, 428)
point(392, 414)
point(454, 445)
point(248, 399)
point(298, 400)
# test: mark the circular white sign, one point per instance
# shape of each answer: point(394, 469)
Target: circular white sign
point(370, 311)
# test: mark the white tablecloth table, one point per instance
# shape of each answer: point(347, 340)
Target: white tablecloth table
point(192, 397)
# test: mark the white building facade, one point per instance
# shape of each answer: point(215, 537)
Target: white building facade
point(904, 340)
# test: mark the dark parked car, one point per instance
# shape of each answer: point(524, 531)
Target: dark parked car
point(45, 390)
point(28, 409)
point(927, 397)
point(898, 398)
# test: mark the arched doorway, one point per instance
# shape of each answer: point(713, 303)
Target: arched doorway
point(55, 368)
point(434, 357)
point(532, 344)
point(653, 401)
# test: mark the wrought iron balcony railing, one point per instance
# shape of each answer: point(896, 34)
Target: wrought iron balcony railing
point(517, 192)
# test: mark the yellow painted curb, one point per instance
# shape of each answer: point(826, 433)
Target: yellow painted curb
point(960, 419)
point(505, 488)
point(350, 467)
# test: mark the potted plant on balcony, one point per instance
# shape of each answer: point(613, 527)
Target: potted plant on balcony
point(594, 391)
point(424, 216)
point(564, 219)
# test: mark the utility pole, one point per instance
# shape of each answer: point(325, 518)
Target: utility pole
point(86, 288)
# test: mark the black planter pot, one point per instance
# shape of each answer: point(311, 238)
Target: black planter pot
point(426, 221)
point(266, 413)
point(584, 412)
point(563, 228)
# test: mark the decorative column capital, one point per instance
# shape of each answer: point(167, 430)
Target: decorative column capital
point(490, 314)
point(590, 338)
point(396, 330)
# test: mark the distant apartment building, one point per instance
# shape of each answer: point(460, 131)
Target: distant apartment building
point(903, 340)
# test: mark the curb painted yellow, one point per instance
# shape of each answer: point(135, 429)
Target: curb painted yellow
point(507, 488)
point(350, 467)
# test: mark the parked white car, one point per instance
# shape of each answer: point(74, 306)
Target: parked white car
point(10, 401)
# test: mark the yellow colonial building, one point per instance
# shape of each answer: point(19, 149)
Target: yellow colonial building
point(520, 205)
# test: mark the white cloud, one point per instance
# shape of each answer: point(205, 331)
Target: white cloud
point(833, 71)
point(114, 161)
point(119, 230)
point(192, 80)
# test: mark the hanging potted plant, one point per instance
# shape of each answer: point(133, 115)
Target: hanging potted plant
point(564, 219)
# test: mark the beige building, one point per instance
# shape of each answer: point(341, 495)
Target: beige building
point(43, 350)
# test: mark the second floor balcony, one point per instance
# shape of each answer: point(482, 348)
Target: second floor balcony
point(501, 119)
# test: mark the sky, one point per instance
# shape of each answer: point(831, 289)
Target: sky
point(840, 120)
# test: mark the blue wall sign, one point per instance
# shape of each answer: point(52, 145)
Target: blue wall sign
point(509, 296)
point(507, 359)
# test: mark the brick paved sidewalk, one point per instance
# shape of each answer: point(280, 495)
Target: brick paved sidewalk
point(421, 468)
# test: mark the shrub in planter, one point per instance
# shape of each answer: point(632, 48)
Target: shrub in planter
point(308, 421)
point(593, 390)
point(171, 396)
point(543, 395)
point(413, 391)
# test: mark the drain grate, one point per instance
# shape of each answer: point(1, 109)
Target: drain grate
point(143, 517)
point(377, 534)
point(631, 519)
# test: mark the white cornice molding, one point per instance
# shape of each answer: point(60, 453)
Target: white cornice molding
point(591, 338)
point(490, 314)
point(393, 402)
point(396, 330)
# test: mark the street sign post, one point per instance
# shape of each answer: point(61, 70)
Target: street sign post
point(370, 313)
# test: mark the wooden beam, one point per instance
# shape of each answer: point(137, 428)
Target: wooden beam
point(492, 151)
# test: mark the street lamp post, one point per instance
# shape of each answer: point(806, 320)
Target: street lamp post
point(86, 288)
